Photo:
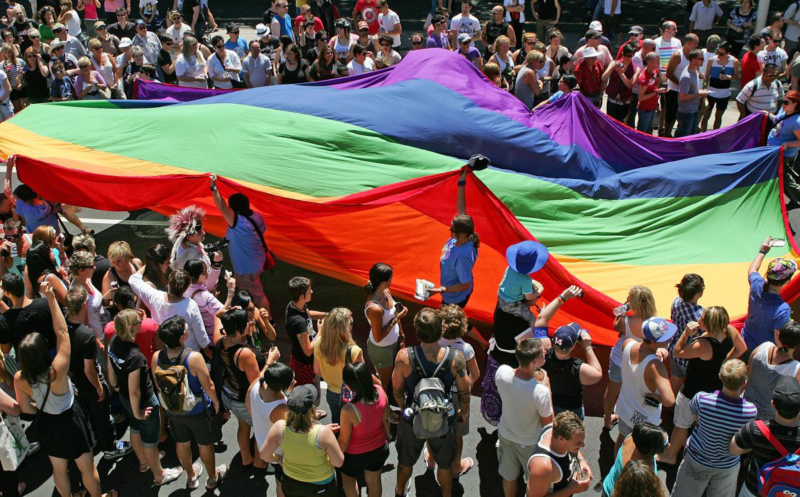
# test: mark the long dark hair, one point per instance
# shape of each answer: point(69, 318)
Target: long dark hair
point(157, 255)
point(359, 379)
point(463, 223)
point(378, 273)
point(34, 359)
point(39, 263)
point(691, 284)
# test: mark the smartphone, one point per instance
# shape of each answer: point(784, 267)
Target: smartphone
point(399, 307)
point(115, 284)
point(777, 242)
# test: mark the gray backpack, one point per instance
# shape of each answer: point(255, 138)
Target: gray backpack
point(431, 399)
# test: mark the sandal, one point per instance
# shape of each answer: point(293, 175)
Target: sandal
point(111, 493)
point(170, 475)
point(79, 493)
point(144, 468)
point(321, 414)
point(194, 483)
point(470, 464)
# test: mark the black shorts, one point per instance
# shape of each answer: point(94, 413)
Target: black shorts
point(720, 103)
point(355, 464)
point(409, 447)
point(205, 427)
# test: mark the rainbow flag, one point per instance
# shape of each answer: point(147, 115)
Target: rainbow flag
point(363, 169)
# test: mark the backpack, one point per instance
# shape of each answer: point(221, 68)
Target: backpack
point(781, 477)
point(172, 383)
point(346, 395)
point(432, 405)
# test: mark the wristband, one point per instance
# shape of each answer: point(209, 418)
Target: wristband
point(213, 188)
point(763, 252)
point(540, 332)
point(562, 299)
point(462, 182)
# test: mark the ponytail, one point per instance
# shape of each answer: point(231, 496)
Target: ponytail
point(378, 273)
point(463, 223)
point(476, 240)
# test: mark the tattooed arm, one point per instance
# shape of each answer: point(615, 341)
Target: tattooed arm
point(459, 369)
point(402, 369)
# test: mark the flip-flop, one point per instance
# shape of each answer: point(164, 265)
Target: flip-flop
point(470, 464)
point(111, 493)
point(321, 414)
point(614, 422)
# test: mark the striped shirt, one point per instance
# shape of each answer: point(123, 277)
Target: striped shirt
point(665, 50)
point(719, 418)
point(761, 97)
point(682, 313)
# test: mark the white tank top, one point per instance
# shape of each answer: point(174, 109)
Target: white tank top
point(260, 411)
point(388, 314)
point(678, 71)
point(616, 351)
point(342, 50)
point(97, 314)
point(106, 70)
point(74, 24)
point(631, 407)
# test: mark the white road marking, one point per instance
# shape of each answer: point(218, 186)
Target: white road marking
point(127, 222)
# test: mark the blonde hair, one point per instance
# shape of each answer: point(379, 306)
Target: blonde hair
point(534, 55)
point(124, 322)
point(336, 335)
point(80, 260)
point(529, 36)
point(642, 302)
point(301, 423)
point(716, 320)
point(499, 41)
point(491, 70)
point(84, 62)
point(44, 233)
point(733, 374)
point(95, 43)
point(454, 322)
point(120, 250)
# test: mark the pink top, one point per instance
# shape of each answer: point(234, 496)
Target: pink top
point(369, 435)
point(90, 10)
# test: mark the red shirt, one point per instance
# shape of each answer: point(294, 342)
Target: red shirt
point(649, 81)
point(143, 339)
point(301, 19)
point(638, 44)
point(750, 67)
point(589, 77)
point(369, 13)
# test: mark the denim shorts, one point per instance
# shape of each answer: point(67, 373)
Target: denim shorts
point(615, 372)
point(148, 429)
point(238, 409)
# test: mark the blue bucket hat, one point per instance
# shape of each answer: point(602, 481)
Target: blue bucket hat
point(527, 257)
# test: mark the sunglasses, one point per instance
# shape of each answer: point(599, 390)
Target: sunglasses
point(219, 46)
point(168, 43)
point(97, 48)
point(83, 67)
point(100, 28)
point(787, 102)
point(363, 30)
point(388, 45)
point(416, 43)
point(122, 15)
point(530, 43)
point(234, 32)
point(30, 57)
point(33, 37)
point(141, 27)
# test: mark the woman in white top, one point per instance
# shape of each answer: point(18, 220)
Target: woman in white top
point(769, 362)
point(69, 17)
point(384, 315)
point(224, 65)
point(81, 266)
point(191, 67)
point(344, 41)
point(641, 305)
point(106, 66)
point(720, 71)
point(186, 233)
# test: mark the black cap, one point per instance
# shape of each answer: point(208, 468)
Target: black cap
point(231, 26)
point(301, 398)
point(786, 395)
point(591, 34)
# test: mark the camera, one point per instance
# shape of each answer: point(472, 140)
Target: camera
point(217, 246)
point(5, 253)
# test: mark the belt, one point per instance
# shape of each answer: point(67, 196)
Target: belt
point(618, 102)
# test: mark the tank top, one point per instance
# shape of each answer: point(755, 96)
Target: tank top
point(342, 50)
point(543, 73)
point(235, 384)
point(703, 376)
point(616, 88)
point(388, 314)
point(765, 375)
point(286, 26)
point(631, 407)
point(678, 71)
point(494, 31)
point(565, 380)
point(56, 404)
point(194, 383)
point(563, 461)
point(523, 91)
point(74, 24)
point(303, 459)
point(119, 280)
point(370, 434)
point(718, 87)
point(97, 314)
point(616, 351)
point(428, 367)
point(90, 11)
point(260, 411)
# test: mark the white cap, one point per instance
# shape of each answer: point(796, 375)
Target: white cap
point(262, 30)
point(125, 42)
point(597, 26)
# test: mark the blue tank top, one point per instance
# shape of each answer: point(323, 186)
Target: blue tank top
point(194, 383)
point(429, 367)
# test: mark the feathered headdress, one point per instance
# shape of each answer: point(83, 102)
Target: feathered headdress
point(185, 222)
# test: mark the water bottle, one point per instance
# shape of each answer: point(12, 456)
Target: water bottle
point(622, 310)
point(451, 409)
point(408, 414)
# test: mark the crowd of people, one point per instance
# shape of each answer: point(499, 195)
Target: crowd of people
point(90, 342)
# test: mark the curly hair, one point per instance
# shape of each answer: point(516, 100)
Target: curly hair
point(454, 322)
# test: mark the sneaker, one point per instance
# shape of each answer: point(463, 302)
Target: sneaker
point(122, 449)
point(222, 472)
point(193, 483)
point(34, 448)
